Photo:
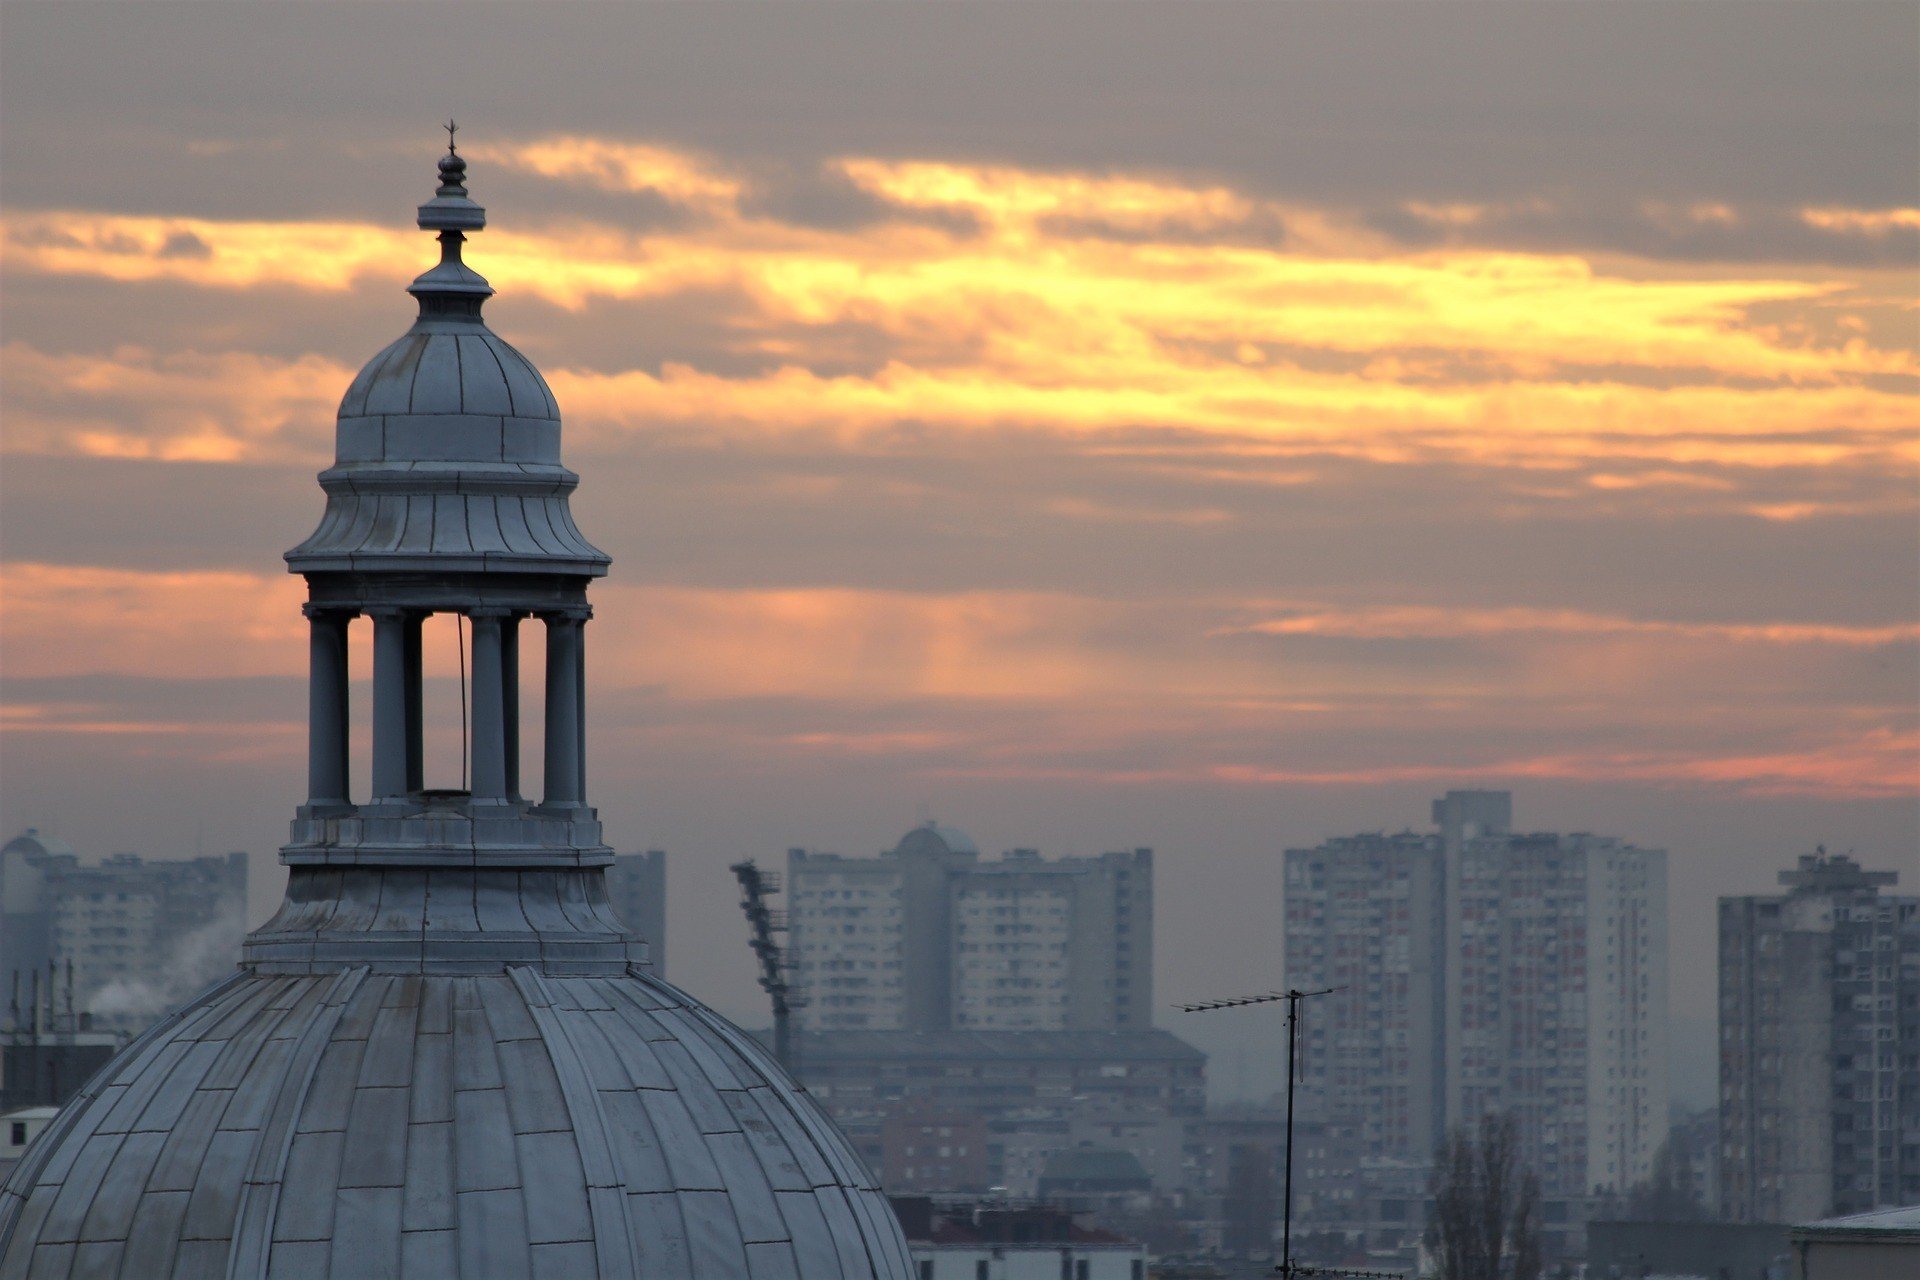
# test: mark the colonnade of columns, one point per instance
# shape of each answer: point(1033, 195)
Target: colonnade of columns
point(398, 727)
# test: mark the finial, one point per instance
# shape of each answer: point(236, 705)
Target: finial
point(452, 287)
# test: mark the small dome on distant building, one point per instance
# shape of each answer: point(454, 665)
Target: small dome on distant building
point(931, 839)
point(33, 843)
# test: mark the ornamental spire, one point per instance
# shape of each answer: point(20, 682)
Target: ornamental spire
point(451, 287)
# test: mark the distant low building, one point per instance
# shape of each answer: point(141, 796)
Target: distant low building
point(958, 1239)
point(934, 1152)
point(18, 1128)
point(1038, 1093)
point(1632, 1248)
point(141, 936)
point(1861, 1246)
point(637, 887)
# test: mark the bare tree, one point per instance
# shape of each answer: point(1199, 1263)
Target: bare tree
point(1486, 1208)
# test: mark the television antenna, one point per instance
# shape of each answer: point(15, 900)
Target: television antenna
point(756, 886)
point(1293, 996)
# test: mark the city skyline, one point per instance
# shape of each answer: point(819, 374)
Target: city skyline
point(1175, 449)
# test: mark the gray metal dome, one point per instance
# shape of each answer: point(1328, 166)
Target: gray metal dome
point(360, 1124)
point(443, 1056)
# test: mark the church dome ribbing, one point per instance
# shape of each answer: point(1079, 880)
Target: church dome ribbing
point(443, 1056)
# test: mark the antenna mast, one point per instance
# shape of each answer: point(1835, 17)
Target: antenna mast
point(756, 886)
point(1293, 997)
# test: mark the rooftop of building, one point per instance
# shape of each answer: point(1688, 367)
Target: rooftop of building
point(1900, 1225)
point(1151, 1045)
point(930, 839)
point(1823, 872)
point(963, 1221)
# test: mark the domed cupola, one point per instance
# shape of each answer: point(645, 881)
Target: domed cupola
point(447, 449)
point(444, 1056)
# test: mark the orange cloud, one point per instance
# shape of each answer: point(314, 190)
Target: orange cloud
point(1437, 622)
point(71, 620)
point(181, 406)
point(622, 166)
point(1866, 222)
point(1060, 678)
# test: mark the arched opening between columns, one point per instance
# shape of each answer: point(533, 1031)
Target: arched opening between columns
point(369, 714)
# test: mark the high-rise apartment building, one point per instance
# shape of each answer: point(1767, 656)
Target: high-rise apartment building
point(1819, 1045)
point(1557, 1003)
point(931, 937)
point(1364, 918)
point(138, 934)
point(637, 887)
point(1475, 970)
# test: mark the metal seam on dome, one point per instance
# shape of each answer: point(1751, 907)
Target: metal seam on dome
point(459, 375)
point(488, 340)
point(582, 1101)
point(258, 1205)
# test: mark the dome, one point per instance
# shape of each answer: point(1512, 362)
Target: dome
point(931, 838)
point(34, 844)
point(449, 390)
point(447, 443)
point(361, 1124)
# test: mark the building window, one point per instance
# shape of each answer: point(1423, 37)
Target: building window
point(18, 1137)
point(926, 1269)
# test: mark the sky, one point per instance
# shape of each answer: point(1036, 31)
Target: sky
point(1206, 427)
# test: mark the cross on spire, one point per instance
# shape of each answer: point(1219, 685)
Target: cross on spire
point(451, 129)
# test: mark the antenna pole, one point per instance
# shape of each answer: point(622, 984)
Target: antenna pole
point(1293, 996)
point(1293, 1062)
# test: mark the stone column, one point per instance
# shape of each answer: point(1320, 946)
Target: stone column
point(327, 705)
point(489, 706)
point(580, 705)
point(563, 710)
point(510, 697)
point(416, 715)
point(390, 718)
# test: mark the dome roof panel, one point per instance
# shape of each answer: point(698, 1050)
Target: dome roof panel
point(483, 387)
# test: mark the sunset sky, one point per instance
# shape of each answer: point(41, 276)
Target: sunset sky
point(1207, 427)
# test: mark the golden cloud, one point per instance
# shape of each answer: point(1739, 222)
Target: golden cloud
point(1866, 222)
point(1037, 318)
point(622, 166)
